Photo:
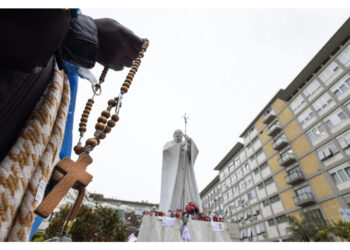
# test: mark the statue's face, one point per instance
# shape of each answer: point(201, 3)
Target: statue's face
point(178, 136)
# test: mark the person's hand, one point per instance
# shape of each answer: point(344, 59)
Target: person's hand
point(118, 46)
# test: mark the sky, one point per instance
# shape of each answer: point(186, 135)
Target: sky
point(220, 66)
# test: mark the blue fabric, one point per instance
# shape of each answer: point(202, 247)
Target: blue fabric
point(66, 148)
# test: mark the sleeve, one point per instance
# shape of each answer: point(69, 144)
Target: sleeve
point(30, 37)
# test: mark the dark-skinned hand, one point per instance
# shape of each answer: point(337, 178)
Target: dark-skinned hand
point(118, 45)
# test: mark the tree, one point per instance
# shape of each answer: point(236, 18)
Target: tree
point(341, 229)
point(307, 228)
point(98, 224)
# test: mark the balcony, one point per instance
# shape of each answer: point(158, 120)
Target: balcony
point(295, 177)
point(269, 117)
point(280, 143)
point(304, 199)
point(274, 129)
point(286, 159)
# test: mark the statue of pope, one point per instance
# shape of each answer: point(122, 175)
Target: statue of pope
point(178, 186)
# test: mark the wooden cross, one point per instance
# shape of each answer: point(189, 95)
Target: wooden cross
point(73, 176)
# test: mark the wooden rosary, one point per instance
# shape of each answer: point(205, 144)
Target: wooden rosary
point(69, 174)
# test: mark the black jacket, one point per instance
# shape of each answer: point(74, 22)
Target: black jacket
point(28, 42)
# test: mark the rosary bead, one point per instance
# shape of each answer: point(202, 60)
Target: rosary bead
point(88, 108)
point(107, 129)
point(129, 77)
point(124, 89)
point(86, 112)
point(111, 123)
point(102, 119)
point(82, 124)
point(102, 136)
point(115, 117)
point(83, 119)
point(100, 126)
point(82, 129)
point(92, 142)
point(106, 113)
point(126, 84)
point(128, 81)
point(78, 149)
point(112, 102)
point(85, 116)
point(91, 100)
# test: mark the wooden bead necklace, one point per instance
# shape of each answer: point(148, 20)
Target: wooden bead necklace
point(105, 125)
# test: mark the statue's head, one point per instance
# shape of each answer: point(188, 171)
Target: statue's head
point(178, 134)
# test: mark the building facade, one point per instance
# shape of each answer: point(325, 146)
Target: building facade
point(295, 154)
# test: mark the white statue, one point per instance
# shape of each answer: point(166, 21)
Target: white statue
point(179, 185)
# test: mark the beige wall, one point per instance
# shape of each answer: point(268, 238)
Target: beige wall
point(268, 149)
point(287, 198)
point(260, 123)
point(292, 129)
point(296, 214)
point(331, 210)
point(320, 186)
point(277, 105)
point(309, 163)
point(273, 162)
point(300, 145)
point(280, 179)
point(285, 116)
point(263, 136)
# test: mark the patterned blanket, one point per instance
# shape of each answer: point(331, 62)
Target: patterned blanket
point(32, 159)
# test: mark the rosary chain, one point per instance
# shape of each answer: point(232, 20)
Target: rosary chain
point(104, 125)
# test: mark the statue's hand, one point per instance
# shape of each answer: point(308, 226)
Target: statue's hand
point(118, 46)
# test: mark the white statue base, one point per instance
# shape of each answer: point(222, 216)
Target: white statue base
point(152, 230)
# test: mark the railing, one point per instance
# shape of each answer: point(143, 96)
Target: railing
point(304, 199)
point(274, 129)
point(295, 177)
point(269, 117)
point(280, 143)
point(286, 159)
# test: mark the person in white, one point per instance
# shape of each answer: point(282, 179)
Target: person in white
point(178, 185)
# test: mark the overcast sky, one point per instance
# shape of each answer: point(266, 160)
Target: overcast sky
point(220, 66)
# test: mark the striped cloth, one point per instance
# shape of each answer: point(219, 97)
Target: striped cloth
point(32, 159)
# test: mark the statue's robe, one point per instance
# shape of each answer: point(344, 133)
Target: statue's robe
point(178, 186)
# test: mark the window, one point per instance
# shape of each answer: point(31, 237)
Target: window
point(259, 152)
point(251, 195)
point(322, 102)
point(341, 174)
point(242, 185)
point(268, 111)
point(256, 171)
point(344, 57)
point(296, 104)
point(249, 146)
point(271, 222)
point(274, 199)
point(328, 72)
point(245, 168)
point(305, 118)
point(316, 132)
point(268, 181)
point(347, 106)
point(261, 186)
point(252, 158)
point(281, 219)
point(311, 90)
point(260, 228)
point(335, 118)
point(242, 156)
point(304, 190)
point(248, 180)
point(263, 166)
point(328, 151)
point(344, 140)
point(266, 203)
point(342, 86)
